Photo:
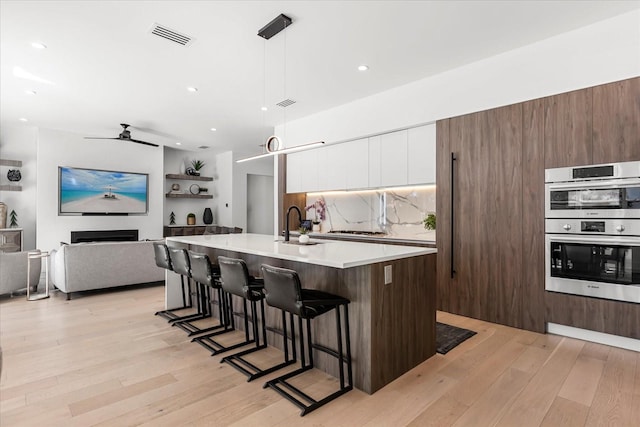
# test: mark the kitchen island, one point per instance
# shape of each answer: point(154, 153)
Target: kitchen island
point(392, 325)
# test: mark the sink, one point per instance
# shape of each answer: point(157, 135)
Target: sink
point(295, 242)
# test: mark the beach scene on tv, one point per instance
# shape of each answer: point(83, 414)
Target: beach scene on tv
point(97, 191)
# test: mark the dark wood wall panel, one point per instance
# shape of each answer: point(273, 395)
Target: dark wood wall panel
point(443, 208)
point(616, 121)
point(505, 222)
point(568, 129)
point(533, 306)
point(610, 317)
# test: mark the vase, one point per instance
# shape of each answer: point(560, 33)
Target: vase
point(191, 220)
point(316, 227)
point(207, 218)
point(304, 238)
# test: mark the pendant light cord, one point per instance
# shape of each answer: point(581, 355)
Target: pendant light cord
point(284, 83)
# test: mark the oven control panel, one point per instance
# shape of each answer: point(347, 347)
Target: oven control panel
point(610, 227)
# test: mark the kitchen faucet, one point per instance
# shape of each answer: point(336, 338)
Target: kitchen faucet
point(286, 221)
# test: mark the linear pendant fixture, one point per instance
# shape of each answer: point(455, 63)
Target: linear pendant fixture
point(284, 151)
point(278, 24)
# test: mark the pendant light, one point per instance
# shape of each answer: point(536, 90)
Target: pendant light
point(273, 144)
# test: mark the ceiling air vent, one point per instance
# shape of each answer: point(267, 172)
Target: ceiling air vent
point(171, 35)
point(286, 103)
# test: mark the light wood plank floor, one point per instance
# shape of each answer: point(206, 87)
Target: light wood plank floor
point(103, 358)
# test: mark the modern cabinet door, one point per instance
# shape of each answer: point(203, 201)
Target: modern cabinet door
point(568, 129)
point(616, 122)
point(486, 230)
point(10, 240)
point(357, 155)
point(335, 176)
point(421, 155)
point(309, 169)
point(393, 156)
point(294, 172)
point(375, 161)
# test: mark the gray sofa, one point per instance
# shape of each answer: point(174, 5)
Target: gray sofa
point(99, 265)
point(13, 272)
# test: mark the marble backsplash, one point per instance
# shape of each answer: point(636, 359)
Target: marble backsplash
point(398, 212)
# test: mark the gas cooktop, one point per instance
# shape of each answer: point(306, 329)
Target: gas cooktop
point(363, 233)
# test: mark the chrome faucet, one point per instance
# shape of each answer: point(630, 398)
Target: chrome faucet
point(286, 221)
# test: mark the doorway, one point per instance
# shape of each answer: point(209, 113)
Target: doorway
point(259, 204)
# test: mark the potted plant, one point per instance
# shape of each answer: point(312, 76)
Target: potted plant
point(191, 219)
point(197, 165)
point(304, 237)
point(320, 209)
point(430, 222)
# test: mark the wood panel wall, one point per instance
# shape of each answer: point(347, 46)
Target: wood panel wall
point(495, 166)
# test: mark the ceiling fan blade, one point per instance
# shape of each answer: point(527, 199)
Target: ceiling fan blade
point(97, 137)
point(142, 142)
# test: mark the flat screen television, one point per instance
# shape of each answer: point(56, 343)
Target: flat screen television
point(101, 192)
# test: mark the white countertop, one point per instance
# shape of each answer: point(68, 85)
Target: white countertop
point(330, 253)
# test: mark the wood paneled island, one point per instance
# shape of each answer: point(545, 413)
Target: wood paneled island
point(392, 325)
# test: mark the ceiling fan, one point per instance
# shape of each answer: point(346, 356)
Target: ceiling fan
point(125, 135)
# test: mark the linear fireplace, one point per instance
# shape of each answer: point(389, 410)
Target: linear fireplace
point(104, 236)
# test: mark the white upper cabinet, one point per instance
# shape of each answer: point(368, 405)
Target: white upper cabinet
point(393, 156)
point(389, 160)
point(375, 162)
point(357, 155)
point(421, 159)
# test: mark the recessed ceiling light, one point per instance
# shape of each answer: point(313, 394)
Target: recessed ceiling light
point(30, 92)
point(22, 119)
point(213, 129)
point(363, 67)
point(39, 45)
point(264, 108)
point(178, 143)
point(192, 89)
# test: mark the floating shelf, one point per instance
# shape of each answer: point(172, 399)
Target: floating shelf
point(10, 187)
point(188, 196)
point(14, 163)
point(188, 177)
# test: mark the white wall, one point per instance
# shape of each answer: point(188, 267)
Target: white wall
point(56, 148)
point(600, 53)
point(20, 143)
point(224, 167)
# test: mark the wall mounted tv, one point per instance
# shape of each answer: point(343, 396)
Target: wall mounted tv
point(102, 192)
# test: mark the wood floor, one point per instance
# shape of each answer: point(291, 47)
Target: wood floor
point(105, 359)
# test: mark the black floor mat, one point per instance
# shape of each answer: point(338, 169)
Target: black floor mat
point(448, 337)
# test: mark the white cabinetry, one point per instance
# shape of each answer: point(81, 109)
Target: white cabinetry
point(389, 160)
point(393, 156)
point(421, 158)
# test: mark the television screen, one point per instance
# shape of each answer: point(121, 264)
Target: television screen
point(90, 191)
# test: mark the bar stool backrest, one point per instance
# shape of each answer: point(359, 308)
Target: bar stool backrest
point(161, 252)
point(282, 289)
point(201, 270)
point(180, 261)
point(235, 276)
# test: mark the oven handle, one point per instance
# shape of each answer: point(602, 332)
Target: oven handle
point(594, 185)
point(590, 239)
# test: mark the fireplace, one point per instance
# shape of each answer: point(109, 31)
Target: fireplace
point(104, 236)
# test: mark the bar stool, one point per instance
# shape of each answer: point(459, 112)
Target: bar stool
point(207, 276)
point(283, 290)
point(182, 266)
point(163, 260)
point(237, 281)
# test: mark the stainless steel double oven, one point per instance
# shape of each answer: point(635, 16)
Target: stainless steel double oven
point(592, 228)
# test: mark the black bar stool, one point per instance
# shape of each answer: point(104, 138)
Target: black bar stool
point(182, 266)
point(163, 260)
point(283, 290)
point(207, 277)
point(250, 289)
point(237, 281)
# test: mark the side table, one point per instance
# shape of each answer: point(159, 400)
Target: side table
point(42, 256)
